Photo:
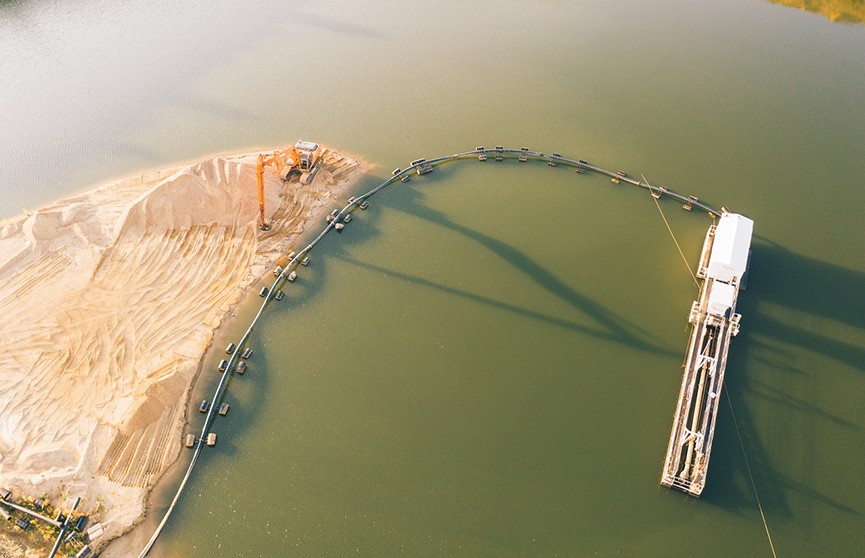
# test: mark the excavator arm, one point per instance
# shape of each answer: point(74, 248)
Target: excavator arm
point(260, 175)
point(280, 159)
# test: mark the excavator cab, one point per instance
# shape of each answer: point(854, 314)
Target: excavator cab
point(305, 162)
point(309, 154)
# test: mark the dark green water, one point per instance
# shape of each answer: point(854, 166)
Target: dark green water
point(486, 362)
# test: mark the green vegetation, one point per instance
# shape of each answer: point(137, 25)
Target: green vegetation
point(834, 10)
point(38, 535)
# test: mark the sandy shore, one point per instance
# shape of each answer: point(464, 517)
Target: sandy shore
point(109, 301)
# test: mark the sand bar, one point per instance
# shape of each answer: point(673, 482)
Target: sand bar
point(110, 298)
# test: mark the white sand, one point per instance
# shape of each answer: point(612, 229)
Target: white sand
point(109, 300)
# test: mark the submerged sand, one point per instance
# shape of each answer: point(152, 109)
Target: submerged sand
point(109, 300)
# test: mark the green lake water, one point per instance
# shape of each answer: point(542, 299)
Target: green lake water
point(486, 362)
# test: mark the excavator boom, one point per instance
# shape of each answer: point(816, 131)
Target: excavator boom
point(264, 226)
point(285, 160)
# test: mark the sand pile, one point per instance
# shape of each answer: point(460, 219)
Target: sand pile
point(109, 300)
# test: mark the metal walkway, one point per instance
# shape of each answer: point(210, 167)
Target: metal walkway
point(687, 459)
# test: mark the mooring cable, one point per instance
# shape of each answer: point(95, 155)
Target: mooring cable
point(676, 242)
point(750, 475)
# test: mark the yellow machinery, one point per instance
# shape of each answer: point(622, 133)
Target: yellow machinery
point(284, 161)
point(302, 158)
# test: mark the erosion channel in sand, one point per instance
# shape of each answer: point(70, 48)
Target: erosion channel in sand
point(109, 301)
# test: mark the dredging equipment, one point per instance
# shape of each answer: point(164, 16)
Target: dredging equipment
point(723, 267)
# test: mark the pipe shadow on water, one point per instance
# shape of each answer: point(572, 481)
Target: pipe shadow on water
point(599, 333)
point(609, 325)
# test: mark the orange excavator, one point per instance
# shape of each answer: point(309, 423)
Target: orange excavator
point(302, 158)
point(285, 161)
